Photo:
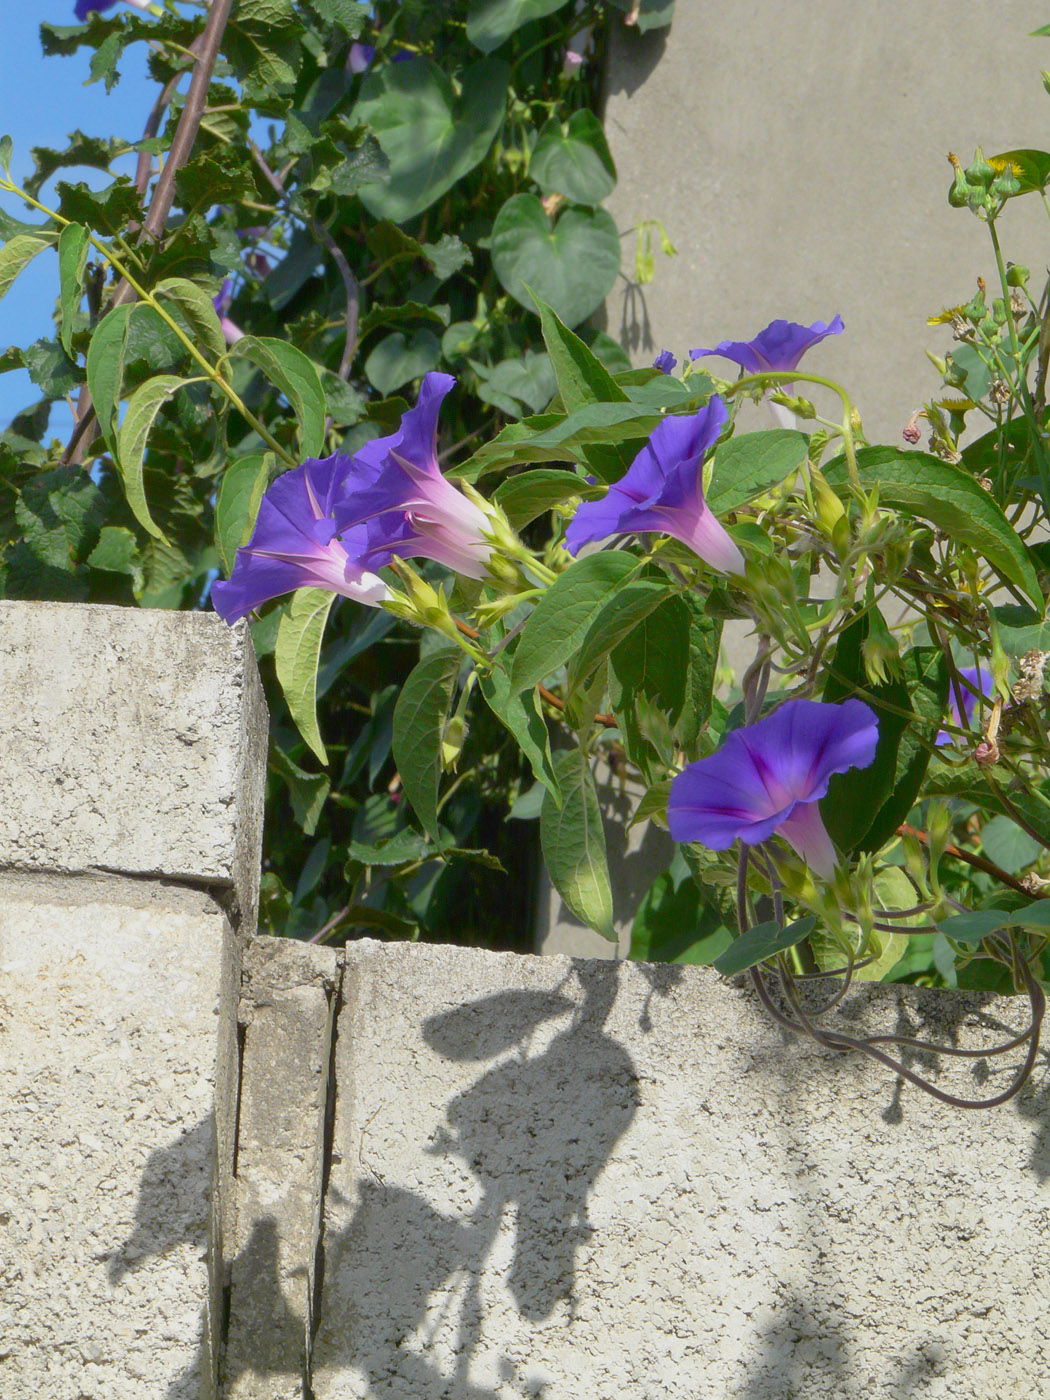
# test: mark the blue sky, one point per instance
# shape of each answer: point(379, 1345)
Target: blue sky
point(41, 99)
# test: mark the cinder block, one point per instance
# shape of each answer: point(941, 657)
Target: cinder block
point(112, 993)
point(572, 1178)
point(272, 1228)
point(133, 741)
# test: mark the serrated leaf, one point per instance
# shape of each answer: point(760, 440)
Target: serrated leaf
point(519, 714)
point(143, 407)
point(761, 942)
point(573, 843)
point(293, 373)
point(947, 496)
point(240, 496)
point(16, 255)
point(420, 719)
point(116, 551)
point(565, 613)
point(296, 658)
point(74, 243)
point(198, 311)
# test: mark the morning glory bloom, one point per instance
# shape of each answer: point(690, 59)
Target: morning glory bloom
point(394, 486)
point(981, 680)
point(771, 776)
point(665, 362)
point(294, 546)
point(779, 347)
point(663, 491)
point(360, 57)
point(83, 8)
point(231, 332)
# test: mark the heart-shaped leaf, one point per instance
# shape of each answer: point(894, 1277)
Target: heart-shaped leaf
point(489, 22)
point(575, 162)
point(397, 360)
point(571, 264)
point(431, 138)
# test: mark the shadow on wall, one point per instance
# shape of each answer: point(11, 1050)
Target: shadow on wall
point(535, 1129)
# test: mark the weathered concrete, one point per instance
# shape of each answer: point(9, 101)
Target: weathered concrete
point(133, 740)
point(287, 1022)
point(589, 1179)
point(131, 743)
point(796, 156)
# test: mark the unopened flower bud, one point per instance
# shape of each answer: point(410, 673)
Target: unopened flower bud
point(986, 753)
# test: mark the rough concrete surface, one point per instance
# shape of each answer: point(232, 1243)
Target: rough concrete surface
point(110, 997)
point(586, 1179)
point(796, 156)
point(130, 740)
point(271, 1239)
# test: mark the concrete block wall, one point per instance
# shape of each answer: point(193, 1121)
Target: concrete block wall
point(132, 754)
point(232, 1166)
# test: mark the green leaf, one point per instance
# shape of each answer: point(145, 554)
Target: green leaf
point(856, 797)
point(581, 376)
point(761, 942)
point(519, 713)
point(117, 551)
point(618, 616)
point(893, 890)
point(549, 437)
point(420, 720)
point(490, 22)
point(925, 675)
point(73, 246)
point(431, 137)
point(296, 658)
point(404, 845)
point(1020, 630)
point(947, 496)
point(307, 792)
point(524, 381)
point(6, 148)
point(294, 374)
point(656, 686)
point(16, 255)
point(523, 498)
point(564, 615)
point(397, 360)
point(143, 407)
point(198, 312)
point(1032, 169)
point(679, 922)
point(703, 639)
point(981, 923)
point(240, 495)
point(573, 842)
point(647, 14)
point(51, 369)
point(752, 463)
point(105, 369)
point(575, 162)
point(571, 264)
point(1008, 845)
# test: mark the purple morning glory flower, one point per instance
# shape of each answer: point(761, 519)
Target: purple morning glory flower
point(665, 362)
point(84, 8)
point(771, 776)
point(360, 57)
point(663, 490)
point(231, 332)
point(395, 485)
point(981, 681)
point(779, 347)
point(293, 546)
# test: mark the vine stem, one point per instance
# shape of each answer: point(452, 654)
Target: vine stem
point(787, 377)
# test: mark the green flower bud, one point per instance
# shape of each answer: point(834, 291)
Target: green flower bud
point(979, 172)
point(1017, 275)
